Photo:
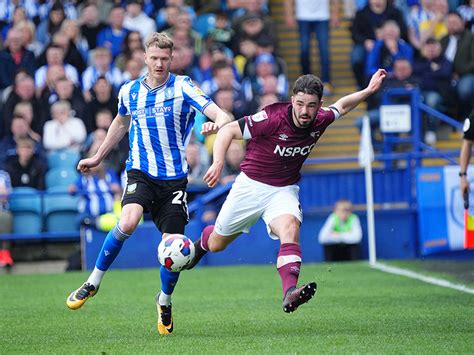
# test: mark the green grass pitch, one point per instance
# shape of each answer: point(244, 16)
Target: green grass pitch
point(228, 310)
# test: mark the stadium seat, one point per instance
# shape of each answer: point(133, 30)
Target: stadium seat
point(60, 210)
point(63, 159)
point(204, 23)
point(61, 177)
point(25, 205)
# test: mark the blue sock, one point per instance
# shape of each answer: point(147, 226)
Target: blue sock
point(111, 248)
point(168, 280)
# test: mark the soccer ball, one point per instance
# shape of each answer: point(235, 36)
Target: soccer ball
point(175, 252)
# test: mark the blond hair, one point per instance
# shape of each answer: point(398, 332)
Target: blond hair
point(160, 40)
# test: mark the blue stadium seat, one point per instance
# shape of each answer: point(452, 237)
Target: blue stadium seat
point(25, 205)
point(63, 159)
point(60, 177)
point(60, 210)
point(204, 23)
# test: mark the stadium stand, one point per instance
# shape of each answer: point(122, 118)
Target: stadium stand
point(60, 210)
point(63, 159)
point(335, 155)
point(25, 204)
point(60, 177)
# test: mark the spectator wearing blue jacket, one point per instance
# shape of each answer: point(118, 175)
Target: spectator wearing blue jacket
point(387, 49)
point(15, 57)
point(434, 73)
point(113, 36)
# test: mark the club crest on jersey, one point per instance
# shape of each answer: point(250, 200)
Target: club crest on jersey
point(131, 188)
point(283, 137)
point(169, 93)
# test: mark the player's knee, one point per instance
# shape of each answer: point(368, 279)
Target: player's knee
point(216, 245)
point(291, 231)
point(128, 226)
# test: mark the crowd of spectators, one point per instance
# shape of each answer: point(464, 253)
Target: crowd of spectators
point(62, 63)
point(432, 40)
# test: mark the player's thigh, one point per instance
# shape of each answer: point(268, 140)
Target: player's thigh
point(170, 207)
point(284, 210)
point(241, 209)
point(136, 199)
point(138, 190)
point(130, 217)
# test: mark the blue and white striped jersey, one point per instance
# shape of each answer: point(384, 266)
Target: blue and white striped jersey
point(99, 199)
point(162, 119)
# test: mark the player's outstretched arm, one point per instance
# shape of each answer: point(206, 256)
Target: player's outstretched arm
point(116, 131)
point(224, 137)
point(464, 158)
point(216, 114)
point(349, 102)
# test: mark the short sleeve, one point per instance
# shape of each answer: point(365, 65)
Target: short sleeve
point(122, 102)
point(259, 124)
point(194, 95)
point(468, 129)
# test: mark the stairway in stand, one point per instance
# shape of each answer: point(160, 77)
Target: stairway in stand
point(341, 139)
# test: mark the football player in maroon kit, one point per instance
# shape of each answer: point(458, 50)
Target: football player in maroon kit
point(279, 139)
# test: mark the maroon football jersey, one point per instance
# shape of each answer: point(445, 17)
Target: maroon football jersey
point(278, 148)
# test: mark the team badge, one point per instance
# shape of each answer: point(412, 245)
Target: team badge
point(169, 93)
point(131, 188)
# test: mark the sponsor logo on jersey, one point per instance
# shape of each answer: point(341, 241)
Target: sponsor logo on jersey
point(292, 151)
point(152, 110)
point(283, 137)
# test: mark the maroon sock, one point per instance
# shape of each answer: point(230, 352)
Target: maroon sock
point(206, 233)
point(290, 269)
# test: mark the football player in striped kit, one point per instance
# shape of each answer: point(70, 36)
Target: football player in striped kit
point(158, 112)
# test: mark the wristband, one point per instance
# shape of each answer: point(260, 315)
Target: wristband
point(461, 174)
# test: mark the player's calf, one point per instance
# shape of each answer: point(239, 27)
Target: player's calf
point(201, 246)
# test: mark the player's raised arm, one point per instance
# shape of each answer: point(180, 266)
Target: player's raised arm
point(219, 118)
point(349, 102)
point(224, 138)
point(115, 133)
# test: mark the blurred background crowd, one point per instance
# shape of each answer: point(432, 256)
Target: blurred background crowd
point(63, 62)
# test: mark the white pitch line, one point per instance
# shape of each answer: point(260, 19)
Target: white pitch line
point(417, 276)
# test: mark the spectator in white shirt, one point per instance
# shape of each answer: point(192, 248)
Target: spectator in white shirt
point(341, 233)
point(55, 56)
point(137, 20)
point(63, 131)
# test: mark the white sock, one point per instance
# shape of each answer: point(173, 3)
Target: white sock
point(96, 277)
point(164, 299)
